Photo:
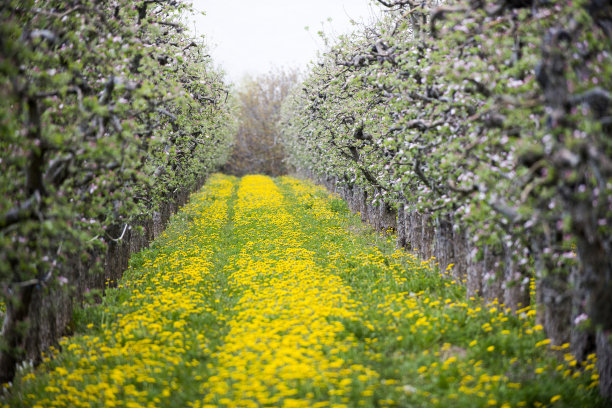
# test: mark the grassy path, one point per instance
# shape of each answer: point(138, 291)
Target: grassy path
point(268, 293)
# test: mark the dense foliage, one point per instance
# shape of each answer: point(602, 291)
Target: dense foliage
point(495, 116)
point(106, 108)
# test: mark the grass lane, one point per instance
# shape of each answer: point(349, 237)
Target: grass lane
point(150, 342)
point(429, 346)
point(269, 293)
point(283, 346)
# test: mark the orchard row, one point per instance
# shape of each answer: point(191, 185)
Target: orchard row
point(110, 113)
point(480, 133)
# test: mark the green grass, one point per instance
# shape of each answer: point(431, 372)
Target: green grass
point(430, 345)
point(264, 295)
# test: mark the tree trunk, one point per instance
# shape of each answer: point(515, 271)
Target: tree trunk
point(462, 253)
point(492, 278)
point(595, 278)
point(555, 307)
point(475, 272)
point(516, 281)
point(363, 205)
point(388, 218)
point(604, 364)
point(14, 332)
point(443, 245)
point(402, 241)
point(415, 231)
point(582, 340)
point(373, 215)
point(426, 237)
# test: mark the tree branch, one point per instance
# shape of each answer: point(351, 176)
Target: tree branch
point(22, 213)
point(397, 3)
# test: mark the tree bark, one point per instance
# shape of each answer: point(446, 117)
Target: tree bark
point(401, 227)
point(555, 307)
point(443, 246)
point(475, 272)
point(582, 340)
point(460, 249)
point(388, 217)
point(14, 332)
point(604, 364)
point(492, 278)
point(516, 281)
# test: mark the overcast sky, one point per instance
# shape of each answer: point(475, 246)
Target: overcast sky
point(252, 36)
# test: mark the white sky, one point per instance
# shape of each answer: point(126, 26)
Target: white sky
point(252, 36)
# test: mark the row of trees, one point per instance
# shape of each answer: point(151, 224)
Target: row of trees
point(108, 110)
point(483, 129)
point(258, 148)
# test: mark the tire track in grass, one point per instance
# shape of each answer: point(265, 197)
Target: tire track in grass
point(283, 347)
